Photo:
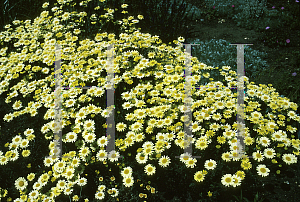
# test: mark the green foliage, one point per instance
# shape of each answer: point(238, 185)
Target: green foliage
point(280, 75)
point(19, 9)
point(276, 34)
point(218, 53)
point(166, 18)
point(224, 8)
point(243, 199)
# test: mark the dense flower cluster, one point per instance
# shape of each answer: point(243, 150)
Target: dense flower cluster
point(85, 60)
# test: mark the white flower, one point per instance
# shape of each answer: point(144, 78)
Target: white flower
point(113, 156)
point(67, 192)
point(128, 181)
point(81, 114)
point(291, 114)
point(15, 155)
point(69, 173)
point(191, 162)
point(227, 180)
point(160, 136)
point(90, 137)
point(195, 127)
point(126, 96)
point(210, 164)
point(75, 162)
point(289, 158)
point(45, 70)
point(126, 172)
point(105, 113)
point(258, 156)
point(236, 181)
point(140, 113)
point(185, 157)
point(84, 151)
point(45, 5)
point(28, 132)
point(33, 194)
point(71, 137)
point(181, 39)
point(150, 169)
point(16, 22)
point(45, 128)
point(102, 142)
point(8, 117)
point(141, 158)
point(70, 103)
point(157, 74)
point(121, 127)
point(17, 105)
point(269, 153)
point(48, 162)
point(262, 170)
point(264, 141)
point(101, 155)
point(99, 92)
point(99, 195)
point(124, 5)
point(82, 181)
point(89, 125)
point(115, 191)
point(164, 161)
point(21, 183)
point(17, 140)
point(59, 166)
point(24, 143)
point(126, 105)
point(3, 160)
point(136, 126)
point(61, 184)
point(101, 187)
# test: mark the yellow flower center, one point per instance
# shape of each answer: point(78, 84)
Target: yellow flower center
point(263, 170)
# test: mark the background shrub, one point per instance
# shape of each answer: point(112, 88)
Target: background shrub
point(166, 18)
point(218, 53)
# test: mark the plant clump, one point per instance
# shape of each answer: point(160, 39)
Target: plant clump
point(149, 86)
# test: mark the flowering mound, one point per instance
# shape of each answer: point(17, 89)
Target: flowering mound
point(149, 92)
